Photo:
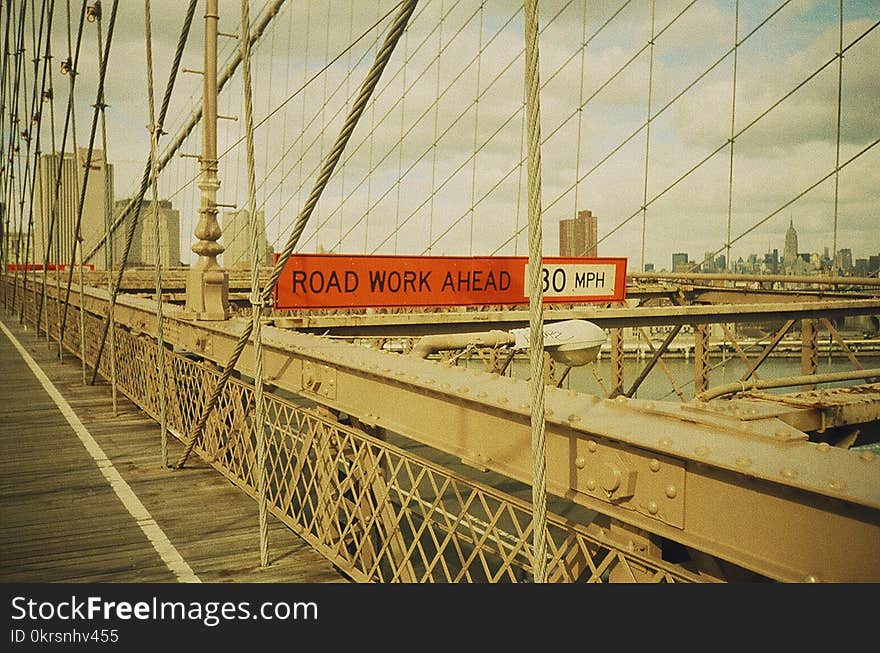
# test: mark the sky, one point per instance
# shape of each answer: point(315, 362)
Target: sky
point(436, 163)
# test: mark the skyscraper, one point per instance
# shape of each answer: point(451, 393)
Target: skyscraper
point(96, 207)
point(680, 262)
point(790, 252)
point(143, 244)
point(236, 239)
point(579, 236)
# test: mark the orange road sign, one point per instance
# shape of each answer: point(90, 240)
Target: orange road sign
point(368, 281)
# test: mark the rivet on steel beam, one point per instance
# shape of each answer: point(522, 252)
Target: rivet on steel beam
point(594, 399)
point(744, 462)
point(665, 442)
point(837, 484)
point(580, 462)
point(788, 472)
point(702, 451)
point(671, 491)
point(824, 446)
point(867, 456)
point(649, 405)
point(574, 418)
point(502, 400)
point(464, 390)
point(811, 579)
point(445, 386)
point(621, 399)
point(654, 464)
point(525, 405)
point(482, 395)
point(592, 446)
point(652, 507)
point(591, 485)
point(549, 412)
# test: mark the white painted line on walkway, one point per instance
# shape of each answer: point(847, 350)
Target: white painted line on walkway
point(170, 555)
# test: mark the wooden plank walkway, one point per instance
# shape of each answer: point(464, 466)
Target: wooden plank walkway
point(61, 521)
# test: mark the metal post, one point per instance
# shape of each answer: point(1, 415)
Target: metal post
point(208, 284)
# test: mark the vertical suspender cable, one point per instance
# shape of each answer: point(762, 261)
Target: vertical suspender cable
point(71, 64)
point(76, 242)
point(109, 244)
point(15, 136)
point(837, 148)
point(648, 135)
point(4, 178)
point(732, 133)
point(580, 127)
point(154, 173)
point(476, 128)
point(536, 308)
point(136, 202)
point(436, 133)
point(406, 9)
point(33, 129)
point(257, 418)
point(102, 74)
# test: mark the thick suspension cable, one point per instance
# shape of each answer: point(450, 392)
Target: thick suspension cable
point(257, 416)
point(536, 308)
point(154, 160)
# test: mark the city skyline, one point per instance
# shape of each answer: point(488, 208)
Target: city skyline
point(798, 138)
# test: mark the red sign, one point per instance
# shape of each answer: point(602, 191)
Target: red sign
point(12, 267)
point(367, 281)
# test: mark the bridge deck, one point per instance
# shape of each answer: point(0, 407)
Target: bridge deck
point(62, 521)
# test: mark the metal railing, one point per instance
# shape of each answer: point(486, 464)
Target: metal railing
point(378, 512)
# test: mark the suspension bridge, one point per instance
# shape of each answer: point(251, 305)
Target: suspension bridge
point(282, 300)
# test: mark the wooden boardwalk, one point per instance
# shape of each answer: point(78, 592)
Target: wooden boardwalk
point(61, 521)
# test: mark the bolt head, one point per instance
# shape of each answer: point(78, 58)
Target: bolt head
point(652, 507)
point(580, 462)
point(671, 491)
point(592, 446)
point(654, 465)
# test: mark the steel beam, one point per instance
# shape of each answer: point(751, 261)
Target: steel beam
point(755, 493)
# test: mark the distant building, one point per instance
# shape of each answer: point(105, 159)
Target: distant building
point(771, 262)
point(143, 245)
point(860, 268)
point(236, 240)
point(20, 248)
point(792, 262)
point(845, 260)
point(649, 267)
point(96, 207)
point(874, 265)
point(579, 236)
point(680, 262)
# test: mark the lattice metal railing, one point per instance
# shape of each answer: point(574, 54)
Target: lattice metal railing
point(378, 512)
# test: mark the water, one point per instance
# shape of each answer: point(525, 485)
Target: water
point(657, 385)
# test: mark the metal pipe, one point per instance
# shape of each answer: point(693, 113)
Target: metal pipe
point(816, 279)
point(787, 381)
point(427, 345)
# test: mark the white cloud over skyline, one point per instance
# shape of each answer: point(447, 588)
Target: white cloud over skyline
point(775, 159)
